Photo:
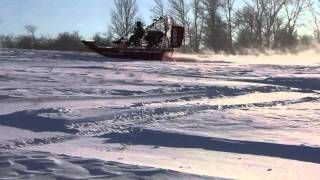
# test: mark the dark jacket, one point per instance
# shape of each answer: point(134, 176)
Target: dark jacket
point(138, 32)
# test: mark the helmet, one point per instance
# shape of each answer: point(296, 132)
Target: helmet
point(139, 24)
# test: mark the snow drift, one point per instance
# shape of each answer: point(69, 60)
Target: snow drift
point(240, 117)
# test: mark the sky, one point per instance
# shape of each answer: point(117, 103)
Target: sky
point(54, 16)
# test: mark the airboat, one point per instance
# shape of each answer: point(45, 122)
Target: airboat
point(160, 40)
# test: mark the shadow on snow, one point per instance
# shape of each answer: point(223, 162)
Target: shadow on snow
point(169, 139)
point(32, 120)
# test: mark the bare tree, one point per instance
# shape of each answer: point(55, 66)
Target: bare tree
point(260, 8)
point(158, 10)
point(245, 19)
point(293, 10)
point(8, 41)
point(246, 22)
point(216, 34)
point(197, 24)
point(228, 7)
point(273, 8)
point(211, 8)
point(179, 10)
point(32, 29)
point(123, 17)
point(314, 9)
point(266, 13)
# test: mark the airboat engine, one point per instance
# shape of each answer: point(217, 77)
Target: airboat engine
point(164, 34)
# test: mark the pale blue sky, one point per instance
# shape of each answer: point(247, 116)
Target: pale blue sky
point(54, 16)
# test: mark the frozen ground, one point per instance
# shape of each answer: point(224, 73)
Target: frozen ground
point(71, 115)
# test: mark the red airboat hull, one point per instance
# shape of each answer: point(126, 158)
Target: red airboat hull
point(131, 53)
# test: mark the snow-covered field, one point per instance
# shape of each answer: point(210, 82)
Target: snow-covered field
point(79, 116)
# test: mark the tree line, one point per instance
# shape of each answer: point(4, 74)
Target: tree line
point(219, 25)
point(229, 25)
point(66, 41)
